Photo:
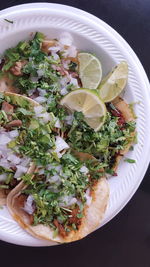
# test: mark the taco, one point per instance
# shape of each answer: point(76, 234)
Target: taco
point(12, 163)
point(128, 116)
point(25, 137)
point(111, 142)
point(64, 202)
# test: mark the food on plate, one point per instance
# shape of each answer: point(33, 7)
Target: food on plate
point(13, 163)
point(90, 70)
point(111, 142)
point(74, 129)
point(113, 84)
point(89, 103)
point(26, 136)
point(64, 202)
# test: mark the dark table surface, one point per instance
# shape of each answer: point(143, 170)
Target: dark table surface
point(125, 241)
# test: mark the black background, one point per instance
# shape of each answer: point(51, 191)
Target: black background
point(125, 241)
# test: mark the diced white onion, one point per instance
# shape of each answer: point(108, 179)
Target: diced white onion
point(5, 151)
point(67, 201)
point(66, 64)
point(13, 133)
point(25, 161)
point(58, 168)
point(60, 144)
point(4, 139)
point(84, 169)
point(3, 177)
point(28, 206)
point(4, 163)
point(13, 159)
point(40, 113)
point(46, 117)
point(69, 119)
point(54, 178)
point(54, 48)
point(58, 124)
point(40, 99)
point(55, 56)
point(38, 110)
point(63, 91)
point(20, 171)
point(40, 73)
point(64, 81)
point(42, 92)
point(31, 91)
point(49, 167)
point(74, 81)
point(41, 172)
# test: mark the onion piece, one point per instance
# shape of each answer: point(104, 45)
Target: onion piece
point(69, 119)
point(4, 139)
point(66, 201)
point(13, 133)
point(42, 92)
point(84, 170)
point(20, 171)
point(54, 48)
point(63, 91)
point(3, 177)
point(28, 206)
point(40, 99)
point(60, 146)
point(58, 124)
point(55, 56)
point(13, 159)
point(40, 73)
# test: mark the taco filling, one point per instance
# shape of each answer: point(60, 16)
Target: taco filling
point(43, 69)
point(74, 136)
point(26, 137)
point(115, 135)
point(59, 196)
point(48, 69)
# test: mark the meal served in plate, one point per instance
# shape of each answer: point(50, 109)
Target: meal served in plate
point(61, 135)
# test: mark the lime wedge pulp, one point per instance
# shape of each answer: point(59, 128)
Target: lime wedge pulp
point(89, 103)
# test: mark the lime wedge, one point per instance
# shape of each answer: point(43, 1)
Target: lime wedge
point(89, 103)
point(90, 70)
point(113, 84)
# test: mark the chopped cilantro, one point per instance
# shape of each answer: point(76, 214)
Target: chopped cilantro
point(9, 21)
point(130, 160)
point(104, 144)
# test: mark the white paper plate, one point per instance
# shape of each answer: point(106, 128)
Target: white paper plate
point(93, 35)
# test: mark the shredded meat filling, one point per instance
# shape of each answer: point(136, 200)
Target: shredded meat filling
point(74, 219)
point(117, 113)
point(60, 228)
point(8, 108)
point(21, 199)
point(17, 68)
point(14, 123)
